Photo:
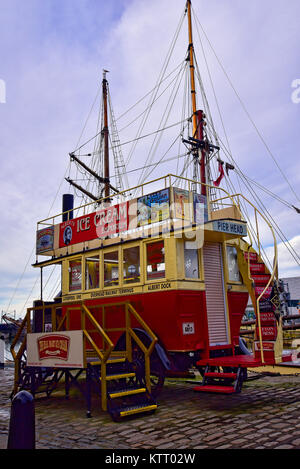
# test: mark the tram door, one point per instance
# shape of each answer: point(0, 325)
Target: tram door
point(215, 294)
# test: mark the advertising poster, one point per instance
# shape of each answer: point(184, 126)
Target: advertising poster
point(153, 208)
point(55, 349)
point(44, 240)
point(100, 224)
point(200, 209)
point(181, 203)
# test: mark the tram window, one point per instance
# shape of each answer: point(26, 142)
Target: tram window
point(233, 267)
point(191, 263)
point(156, 267)
point(111, 269)
point(131, 265)
point(92, 272)
point(75, 275)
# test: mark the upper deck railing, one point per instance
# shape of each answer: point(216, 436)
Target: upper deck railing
point(163, 182)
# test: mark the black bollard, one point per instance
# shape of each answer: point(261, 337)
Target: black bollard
point(22, 422)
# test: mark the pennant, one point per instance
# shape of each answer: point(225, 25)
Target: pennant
point(221, 175)
point(228, 167)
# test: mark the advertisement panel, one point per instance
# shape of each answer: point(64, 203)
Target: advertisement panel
point(181, 200)
point(45, 240)
point(200, 209)
point(105, 222)
point(56, 349)
point(152, 208)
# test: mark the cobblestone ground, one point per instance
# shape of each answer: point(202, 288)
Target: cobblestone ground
point(266, 415)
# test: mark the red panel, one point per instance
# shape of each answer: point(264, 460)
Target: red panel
point(257, 268)
point(237, 302)
point(164, 312)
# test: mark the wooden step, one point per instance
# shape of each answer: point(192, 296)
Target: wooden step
point(268, 333)
point(131, 410)
point(109, 362)
point(220, 375)
point(251, 255)
point(215, 389)
point(261, 279)
point(257, 268)
point(126, 392)
point(266, 306)
point(267, 318)
point(119, 376)
point(259, 290)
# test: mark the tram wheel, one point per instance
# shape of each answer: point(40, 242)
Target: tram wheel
point(157, 370)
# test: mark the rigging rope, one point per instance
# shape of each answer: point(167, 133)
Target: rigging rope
point(246, 111)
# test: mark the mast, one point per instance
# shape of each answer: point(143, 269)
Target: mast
point(105, 134)
point(198, 116)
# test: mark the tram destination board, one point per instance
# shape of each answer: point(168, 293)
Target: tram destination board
point(231, 227)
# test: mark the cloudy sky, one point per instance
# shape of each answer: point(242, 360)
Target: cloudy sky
point(52, 53)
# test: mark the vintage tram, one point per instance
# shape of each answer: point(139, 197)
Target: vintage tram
point(152, 286)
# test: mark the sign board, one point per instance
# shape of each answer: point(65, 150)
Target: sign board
point(231, 227)
point(105, 222)
point(55, 349)
point(153, 208)
point(200, 209)
point(268, 346)
point(181, 201)
point(45, 240)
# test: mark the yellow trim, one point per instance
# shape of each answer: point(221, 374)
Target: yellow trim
point(153, 241)
point(138, 410)
point(134, 244)
point(119, 376)
point(115, 395)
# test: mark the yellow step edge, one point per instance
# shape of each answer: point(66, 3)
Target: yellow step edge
point(126, 393)
point(117, 360)
point(120, 376)
point(125, 413)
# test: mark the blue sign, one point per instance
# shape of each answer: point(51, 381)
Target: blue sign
point(227, 226)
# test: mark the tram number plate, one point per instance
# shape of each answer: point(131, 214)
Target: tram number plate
point(188, 328)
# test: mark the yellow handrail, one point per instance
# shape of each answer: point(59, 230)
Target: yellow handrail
point(104, 354)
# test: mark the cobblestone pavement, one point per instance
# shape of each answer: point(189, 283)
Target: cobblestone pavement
point(266, 415)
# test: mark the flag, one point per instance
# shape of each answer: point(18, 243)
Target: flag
point(221, 175)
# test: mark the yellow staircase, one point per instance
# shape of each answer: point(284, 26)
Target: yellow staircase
point(125, 385)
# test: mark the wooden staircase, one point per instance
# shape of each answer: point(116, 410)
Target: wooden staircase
point(266, 324)
point(222, 381)
point(126, 392)
point(124, 383)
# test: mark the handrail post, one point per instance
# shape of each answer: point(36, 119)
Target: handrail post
point(128, 337)
point(103, 386)
point(103, 326)
point(260, 332)
point(147, 371)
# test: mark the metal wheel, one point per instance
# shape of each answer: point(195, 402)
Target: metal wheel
point(157, 373)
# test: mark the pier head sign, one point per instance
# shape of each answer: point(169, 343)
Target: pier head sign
point(231, 227)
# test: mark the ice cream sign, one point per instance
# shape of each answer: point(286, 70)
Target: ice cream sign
point(55, 349)
point(105, 222)
point(56, 346)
